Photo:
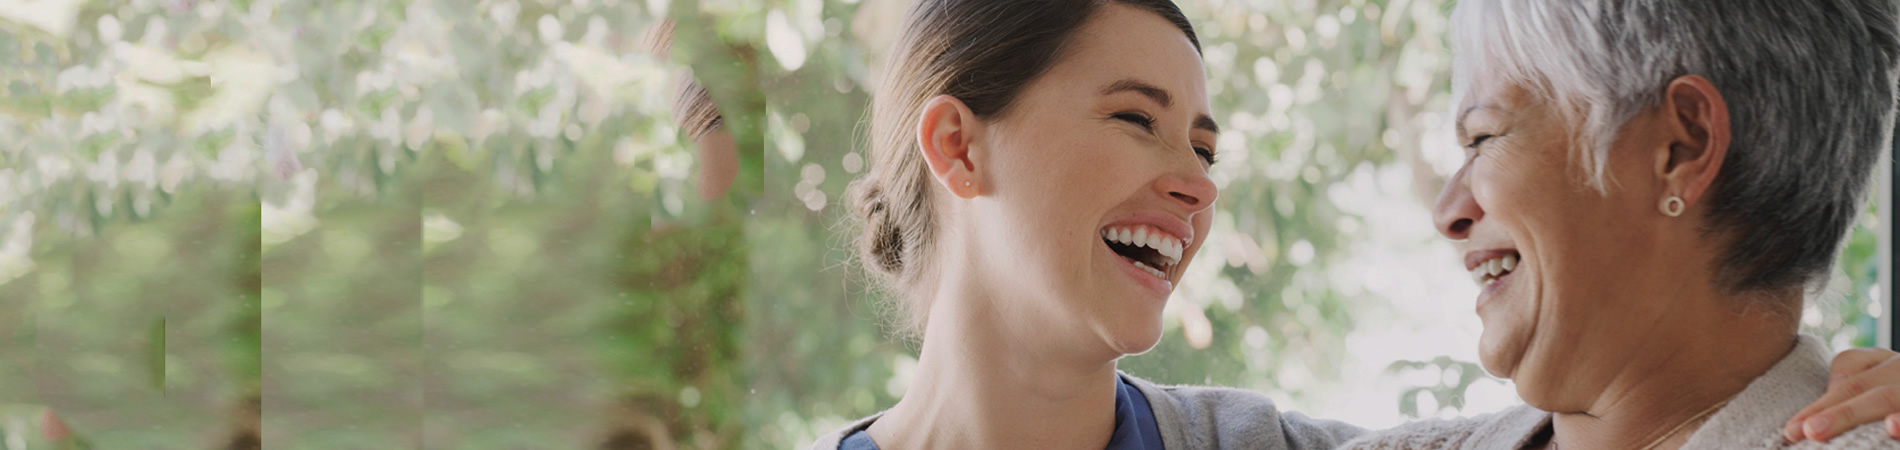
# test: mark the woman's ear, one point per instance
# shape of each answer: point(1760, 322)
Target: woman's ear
point(945, 135)
point(1696, 120)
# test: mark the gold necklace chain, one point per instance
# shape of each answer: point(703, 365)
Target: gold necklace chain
point(1685, 424)
point(1672, 431)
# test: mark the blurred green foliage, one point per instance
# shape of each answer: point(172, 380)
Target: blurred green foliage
point(431, 219)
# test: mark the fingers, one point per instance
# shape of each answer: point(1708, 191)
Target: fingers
point(1876, 404)
point(1852, 374)
point(1840, 389)
point(1856, 360)
point(1893, 425)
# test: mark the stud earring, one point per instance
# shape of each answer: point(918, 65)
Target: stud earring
point(1672, 206)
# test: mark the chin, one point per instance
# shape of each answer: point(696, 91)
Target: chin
point(1500, 355)
point(1134, 339)
point(1506, 354)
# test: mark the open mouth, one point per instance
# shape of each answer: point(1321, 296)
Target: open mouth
point(1497, 267)
point(1147, 248)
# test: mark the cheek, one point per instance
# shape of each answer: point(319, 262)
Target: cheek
point(1549, 211)
point(1521, 203)
point(1066, 172)
point(1506, 182)
point(1530, 196)
point(1047, 191)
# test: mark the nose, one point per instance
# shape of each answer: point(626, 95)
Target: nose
point(1456, 210)
point(1193, 192)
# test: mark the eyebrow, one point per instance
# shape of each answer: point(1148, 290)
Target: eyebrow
point(1159, 95)
point(1141, 87)
point(1207, 123)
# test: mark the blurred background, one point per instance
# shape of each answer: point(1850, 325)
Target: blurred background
point(362, 224)
point(472, 224)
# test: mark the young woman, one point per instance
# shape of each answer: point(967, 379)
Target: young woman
point(1038, 183)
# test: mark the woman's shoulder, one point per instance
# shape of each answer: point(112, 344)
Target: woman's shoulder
point(1209, 417)
point(1507, 429)
point(1200, 400)
point(831, 441)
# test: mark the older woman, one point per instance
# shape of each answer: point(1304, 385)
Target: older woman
point(1650, 188)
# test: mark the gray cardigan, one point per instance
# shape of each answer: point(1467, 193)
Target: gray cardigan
point(1222, 418)
point(1752, 420)
point(1193, 417)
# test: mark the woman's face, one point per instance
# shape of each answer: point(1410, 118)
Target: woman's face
point(1113, 138)
point(1584, 282)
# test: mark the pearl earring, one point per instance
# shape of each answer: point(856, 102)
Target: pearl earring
point(1672, 206)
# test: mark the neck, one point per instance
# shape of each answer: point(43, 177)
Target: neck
point(981, 384)
point(1662, 397)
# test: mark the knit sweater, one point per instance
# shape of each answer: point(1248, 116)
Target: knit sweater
point(1752, 420)
point(1192, 417)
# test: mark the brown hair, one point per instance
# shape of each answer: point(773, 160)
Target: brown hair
point(693, 109)
point(983, 52)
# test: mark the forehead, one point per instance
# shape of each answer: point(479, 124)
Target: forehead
point(1120, 42)
point(1493, 89)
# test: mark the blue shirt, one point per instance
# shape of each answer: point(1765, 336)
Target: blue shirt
point(1135, 427)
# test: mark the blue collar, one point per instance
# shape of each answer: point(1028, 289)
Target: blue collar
point(1135, 427)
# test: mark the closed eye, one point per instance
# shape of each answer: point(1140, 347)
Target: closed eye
point(1476, 141)
point(1139, 119)
point(1148, 123)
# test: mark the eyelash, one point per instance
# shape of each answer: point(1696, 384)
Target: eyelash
point(1148, 123)
point(1142, 120)
point(1479, 140)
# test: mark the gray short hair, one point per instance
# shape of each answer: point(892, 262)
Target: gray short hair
point(1810, 86)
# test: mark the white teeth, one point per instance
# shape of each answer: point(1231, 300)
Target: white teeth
point(1168, 246)
point(1492, 269)
point(1162, 245)
point(1151, 271)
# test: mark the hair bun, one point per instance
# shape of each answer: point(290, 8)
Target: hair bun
point(883, 243)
